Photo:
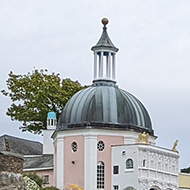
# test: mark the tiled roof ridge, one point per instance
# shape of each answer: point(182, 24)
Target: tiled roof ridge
point(5, 137)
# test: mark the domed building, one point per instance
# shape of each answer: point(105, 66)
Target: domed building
point(103, 104)
point(104, 137)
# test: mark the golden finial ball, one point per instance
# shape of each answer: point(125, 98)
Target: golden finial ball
point(105, 21)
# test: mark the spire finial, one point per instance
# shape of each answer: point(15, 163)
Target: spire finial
point(105, 21)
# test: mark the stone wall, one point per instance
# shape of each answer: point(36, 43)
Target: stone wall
point(11, 167)
point(11, 163)
point(11, 181)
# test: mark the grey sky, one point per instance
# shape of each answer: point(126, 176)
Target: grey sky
point(153, 62)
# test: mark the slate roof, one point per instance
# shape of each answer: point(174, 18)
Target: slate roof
point(41, 161)
point(20, 146)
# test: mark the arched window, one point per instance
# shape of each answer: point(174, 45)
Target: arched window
point(74, 146)
point(155, 188)
point(100, 175)
point(129, 188)
point(129, 163)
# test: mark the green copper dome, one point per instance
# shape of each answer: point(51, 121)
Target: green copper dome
point(104, 105)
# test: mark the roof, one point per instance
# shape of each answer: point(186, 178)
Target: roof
point(7, 153)
point(20, 146)
point(105, 105)
point(38, 162)
point(104, 41)
point(51, 115)
point(148, 147)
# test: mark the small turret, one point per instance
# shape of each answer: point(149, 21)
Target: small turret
point(51, 120)
point(47, 140)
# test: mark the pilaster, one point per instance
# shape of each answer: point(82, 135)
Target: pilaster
point(60, 163)
point(90, 167)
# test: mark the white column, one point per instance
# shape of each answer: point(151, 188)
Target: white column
point(95, 65)
point(90, 168)
point(101, 65)
point(109, 65)
point(60, 163)
point(113, 66)
point(54, 163)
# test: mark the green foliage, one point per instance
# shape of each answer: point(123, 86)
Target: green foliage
point(35, 94)
point(30, 184)
point(50, 188)
point(35, 178)
point(185, 170)
point(33, 181)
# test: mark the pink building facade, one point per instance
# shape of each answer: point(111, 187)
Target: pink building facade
point(95, 125)
point(82, 152)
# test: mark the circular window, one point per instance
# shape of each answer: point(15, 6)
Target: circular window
point(74, 146)
point(100, 146)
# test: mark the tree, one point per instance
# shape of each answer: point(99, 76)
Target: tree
point(35, 94)
point(185, 170)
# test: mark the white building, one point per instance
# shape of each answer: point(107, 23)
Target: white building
point(144, 166)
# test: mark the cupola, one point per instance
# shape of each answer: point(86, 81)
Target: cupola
point(104, 56)
point(51, 120)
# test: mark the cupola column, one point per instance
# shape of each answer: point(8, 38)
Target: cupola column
point(95, 66)
point(101, 65)
point(113, 66)
point(108, 72)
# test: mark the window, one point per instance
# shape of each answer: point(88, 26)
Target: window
point(48, 122)
point(74, 146)
point(144, 163)
point(100, 175)
point(51, 122)
point(115, 169)
point(100, 146)
point(115, 187)
point(46, 179)
point(129, 163)
point(129, 188)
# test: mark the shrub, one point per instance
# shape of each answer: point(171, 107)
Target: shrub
point(50, 188)
point(35, 178)
point(30, 184)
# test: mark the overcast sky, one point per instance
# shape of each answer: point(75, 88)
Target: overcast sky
point(153, 62)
